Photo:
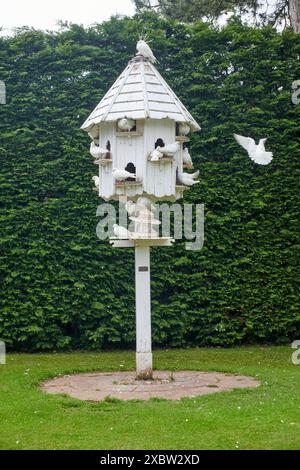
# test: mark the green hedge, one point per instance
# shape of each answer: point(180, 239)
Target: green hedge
point(61, 286)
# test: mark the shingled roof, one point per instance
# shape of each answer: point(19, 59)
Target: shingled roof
point(140, 92)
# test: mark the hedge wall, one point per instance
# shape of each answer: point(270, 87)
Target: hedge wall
point(61, 286)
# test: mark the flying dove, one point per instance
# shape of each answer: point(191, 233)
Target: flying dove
point(256, 152)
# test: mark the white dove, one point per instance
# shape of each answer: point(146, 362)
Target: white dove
point(96, 180)
point(97, 152)
point(256, 152)
point(187, 159)
point(145, 202)
point(192, 175)
point(144, 50)
point(156, 155)
point(121, 175)
point(169, 149)
point(184, 129)
point(186, 179)
point(131, 208)
point(121, 232)
point(126, 124)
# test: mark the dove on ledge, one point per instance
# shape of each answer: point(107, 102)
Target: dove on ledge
point(156, 155)
point(97, 152)
point(191, 175)
point(96, 180)
point(121, 232)
point(187, 159)
point(256, 152)
point(169, 149)
point(126, 124)
point(122, 175)
point(187, 180)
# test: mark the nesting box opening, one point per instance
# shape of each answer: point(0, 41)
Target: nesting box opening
point(159, 143)
point(130, 167)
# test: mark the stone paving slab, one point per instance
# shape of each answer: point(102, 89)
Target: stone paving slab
point(165, 384)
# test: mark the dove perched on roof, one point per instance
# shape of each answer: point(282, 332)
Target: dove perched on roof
point(187, 159)
point(121, 232)
point(144, 50)
point(121, 175)
point(256, 152)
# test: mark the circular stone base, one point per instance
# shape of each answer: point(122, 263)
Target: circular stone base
point(165, 384)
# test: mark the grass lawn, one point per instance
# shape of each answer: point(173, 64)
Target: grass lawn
point(264, 418)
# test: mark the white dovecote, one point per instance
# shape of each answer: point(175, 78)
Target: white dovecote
point(139, 132)
point(155, 114)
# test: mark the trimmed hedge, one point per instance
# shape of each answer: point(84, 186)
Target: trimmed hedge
point(63, 288)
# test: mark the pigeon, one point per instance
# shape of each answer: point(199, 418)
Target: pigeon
point(192, 175)
point(134, 208)
point(184, 129)
point(131, 208)
point(121, 232)
point(122, 175)
point(144, 50)
point(256, 152)
point(186, 179)
point(97, 152)
point(145, 202)
point(126, 124)
point(156, 155)
point(187, 159)
point(96, 180)
point(146, 216)
point(169, 149)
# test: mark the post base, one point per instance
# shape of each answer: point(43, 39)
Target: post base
point(144, 369)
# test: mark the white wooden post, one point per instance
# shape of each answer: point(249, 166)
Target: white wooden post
point(143, 313)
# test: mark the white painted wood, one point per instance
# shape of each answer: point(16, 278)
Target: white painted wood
point(159, 178)
point(143, 312)
point(160, 241)
point(106, 186)
point(140, 92)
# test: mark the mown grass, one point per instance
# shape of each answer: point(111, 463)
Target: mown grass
point(264, 418)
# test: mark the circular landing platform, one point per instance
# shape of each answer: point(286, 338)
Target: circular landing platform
point(165, 384)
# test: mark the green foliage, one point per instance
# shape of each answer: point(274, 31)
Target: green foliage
point(61, 286)
point(265, 417)
point(259, 12)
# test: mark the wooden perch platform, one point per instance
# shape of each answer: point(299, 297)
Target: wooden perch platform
point(104, 161)
point(162, 160)
point(129, 134)
point(122, 184)
point(182, 138)
point(158, 241)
